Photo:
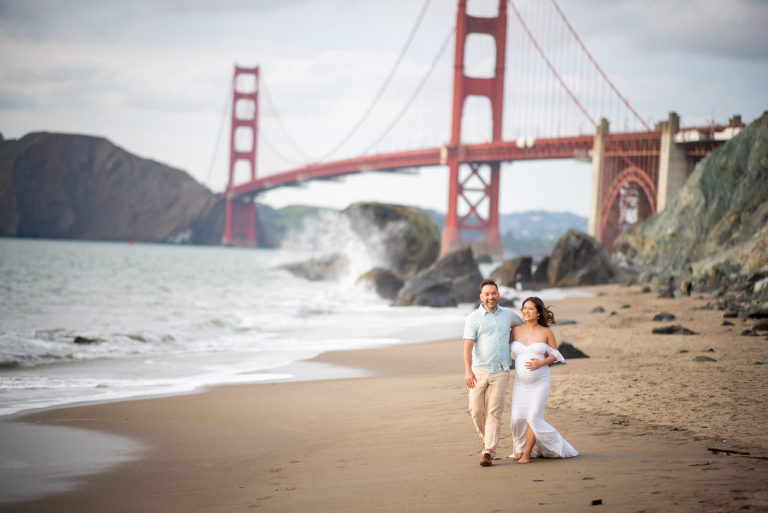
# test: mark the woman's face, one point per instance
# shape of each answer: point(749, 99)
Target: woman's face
point(529, 311)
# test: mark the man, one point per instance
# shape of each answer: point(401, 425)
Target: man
point(486, 365)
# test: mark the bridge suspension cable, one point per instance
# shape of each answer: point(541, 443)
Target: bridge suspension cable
point(416, 92)
point(548, 63)
point(383, 86)
point(277, 152)
point(218, 137)
point(279, 121)
point(597, 66)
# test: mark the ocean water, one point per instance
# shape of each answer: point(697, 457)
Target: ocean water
point(167, 319)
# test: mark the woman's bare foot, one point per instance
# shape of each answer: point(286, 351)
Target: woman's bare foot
point(516, 456)
point(524, 459)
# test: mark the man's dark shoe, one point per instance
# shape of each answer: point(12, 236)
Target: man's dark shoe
point(486, 460)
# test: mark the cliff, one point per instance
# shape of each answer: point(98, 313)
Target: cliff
point(83, 187)
point(718, 221)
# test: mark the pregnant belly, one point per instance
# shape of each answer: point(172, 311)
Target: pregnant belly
point(529, 376)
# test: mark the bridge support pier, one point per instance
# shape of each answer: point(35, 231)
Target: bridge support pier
point(673, 164)
point(240, 222)
point(598, 152)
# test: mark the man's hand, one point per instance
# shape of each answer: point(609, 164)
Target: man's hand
point(470, 379)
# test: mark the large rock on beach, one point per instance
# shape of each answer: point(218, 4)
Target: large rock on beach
point(507, 273)
point(676, 329)
point(386, 283)
point(427, 289)
point(569, 351)
point(409, 238)
point(578, 259)
point(541, 274)
point(457, 268)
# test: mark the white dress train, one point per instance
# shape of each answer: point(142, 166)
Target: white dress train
point(529, 395)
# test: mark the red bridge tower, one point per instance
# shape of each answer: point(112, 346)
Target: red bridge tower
point(240, 216)
point(482, 186)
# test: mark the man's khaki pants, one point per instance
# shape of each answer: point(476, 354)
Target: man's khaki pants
point(486, 404)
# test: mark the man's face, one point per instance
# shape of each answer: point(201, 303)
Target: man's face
point(489, 296)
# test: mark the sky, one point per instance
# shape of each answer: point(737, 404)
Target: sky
point(154, 77)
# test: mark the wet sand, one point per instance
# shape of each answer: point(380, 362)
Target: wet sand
point(640, 411)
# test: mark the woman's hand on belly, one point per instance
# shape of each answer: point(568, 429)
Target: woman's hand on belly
point(533, 364)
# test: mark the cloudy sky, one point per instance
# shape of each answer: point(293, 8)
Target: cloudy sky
point(154, 77)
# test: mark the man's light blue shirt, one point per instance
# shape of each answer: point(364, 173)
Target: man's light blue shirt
point(490, 331)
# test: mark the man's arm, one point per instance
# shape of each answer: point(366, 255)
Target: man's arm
point(469, 376)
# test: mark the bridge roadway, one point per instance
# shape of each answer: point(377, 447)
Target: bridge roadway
point(696, 141)
point(551, 148)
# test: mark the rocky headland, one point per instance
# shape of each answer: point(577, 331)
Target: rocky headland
point(83, 187)
point(713, 236)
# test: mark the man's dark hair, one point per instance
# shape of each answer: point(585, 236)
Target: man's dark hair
point(488, 281)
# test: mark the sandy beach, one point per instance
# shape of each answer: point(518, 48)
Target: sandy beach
point(640, 410)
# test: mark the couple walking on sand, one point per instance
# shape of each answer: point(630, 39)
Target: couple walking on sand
point(491, 333)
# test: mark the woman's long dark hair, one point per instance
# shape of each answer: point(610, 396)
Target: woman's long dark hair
point(546, 317)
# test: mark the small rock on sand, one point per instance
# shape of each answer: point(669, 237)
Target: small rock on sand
point(676, 329)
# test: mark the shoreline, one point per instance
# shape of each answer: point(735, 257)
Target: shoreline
point(301, 366)
point(639, 410)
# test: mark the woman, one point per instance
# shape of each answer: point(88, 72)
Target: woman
point(534, 347)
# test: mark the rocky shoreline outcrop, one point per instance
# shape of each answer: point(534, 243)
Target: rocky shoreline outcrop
point(408, 238)
point(713, 236)
point(454, 278)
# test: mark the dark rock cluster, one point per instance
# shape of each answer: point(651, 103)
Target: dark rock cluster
point(576, 260)
point(454, 278)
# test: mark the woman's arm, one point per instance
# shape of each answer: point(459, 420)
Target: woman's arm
point(551, 341)
point(553, 355)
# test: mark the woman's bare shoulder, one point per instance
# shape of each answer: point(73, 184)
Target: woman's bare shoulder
point(551, 340)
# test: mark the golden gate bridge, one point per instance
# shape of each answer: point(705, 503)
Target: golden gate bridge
point(541, 80)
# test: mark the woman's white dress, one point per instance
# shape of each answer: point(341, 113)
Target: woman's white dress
point(529, 394)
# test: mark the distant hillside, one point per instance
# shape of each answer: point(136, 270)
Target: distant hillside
point(533, 233)
point(83, 187)
point(540, 224)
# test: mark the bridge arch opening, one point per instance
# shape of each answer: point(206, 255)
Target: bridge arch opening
point(245, 108)
point(245, 83)
point(475, 127)
point(480, 56)
point(630, 198)
point(242, 172)
point(483, 9)
point(243, 139)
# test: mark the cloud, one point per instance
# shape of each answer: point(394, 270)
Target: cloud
point(733, 29)
point(14, 100)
